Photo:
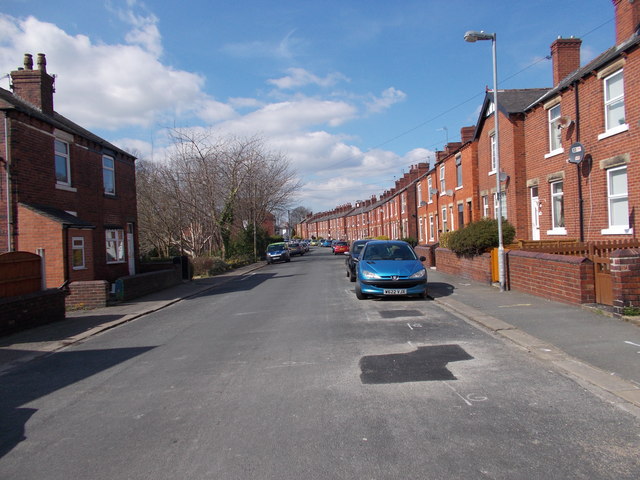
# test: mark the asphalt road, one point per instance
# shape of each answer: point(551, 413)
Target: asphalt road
point(284, 374)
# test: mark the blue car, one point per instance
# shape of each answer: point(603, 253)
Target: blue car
point(390, 268)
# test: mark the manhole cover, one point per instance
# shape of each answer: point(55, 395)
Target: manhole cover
point(400, 313)
point(422, 365)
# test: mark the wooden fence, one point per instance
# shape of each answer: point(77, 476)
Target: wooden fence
point(20, 273)
point(585, 249)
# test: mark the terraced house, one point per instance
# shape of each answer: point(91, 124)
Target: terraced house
point(66, 194)
point(568, 155)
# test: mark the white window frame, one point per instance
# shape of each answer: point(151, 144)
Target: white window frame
point(65, 157)
point(403, 202)
point(443, 182)
point(458, 172)
point(115, 241)
point(555, 134)
point(485, 206)
point(429, 187)
point(620, 229)
point(77, 244)
point(432, 230)
point(503, 200)
point(452, 218)
point(444, 220)
point(608, 102)
point(556, 196)
point(109, 171)
point(420, 227)
point(418, 194)
point(492, 144)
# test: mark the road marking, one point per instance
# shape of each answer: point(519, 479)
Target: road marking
point(409, 325)
point(631, 343)
point(456, 392)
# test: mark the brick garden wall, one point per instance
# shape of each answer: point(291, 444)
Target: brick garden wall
point(87, 295)
point(472, 268)
point(135, 286)
point(31, 310)
point(562, 278)
point(625, 278)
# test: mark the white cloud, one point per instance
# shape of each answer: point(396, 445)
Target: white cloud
point(389, 97)
point(299, 77)
point(106, 86)
point(286, 48)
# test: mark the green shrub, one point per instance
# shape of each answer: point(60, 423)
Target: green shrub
point(478, 237)
point(381, 237)
point(209, 266)
point(410, 240)
point(444, 239)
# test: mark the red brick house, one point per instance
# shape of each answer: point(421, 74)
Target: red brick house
point(595, 108)
point(66, 193)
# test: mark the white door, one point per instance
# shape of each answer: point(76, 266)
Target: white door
point(535, 214)
point(131, 253)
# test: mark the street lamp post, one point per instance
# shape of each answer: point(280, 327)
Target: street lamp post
point(473, 36)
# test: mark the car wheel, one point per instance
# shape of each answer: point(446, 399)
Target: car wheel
point(288, 260)
point(359, 294)
point(352, 276)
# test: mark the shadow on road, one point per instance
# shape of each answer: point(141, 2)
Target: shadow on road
point(44, 376)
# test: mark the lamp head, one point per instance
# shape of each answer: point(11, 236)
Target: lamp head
point(473, 36)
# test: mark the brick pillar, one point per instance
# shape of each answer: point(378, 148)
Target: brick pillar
point(625, 278)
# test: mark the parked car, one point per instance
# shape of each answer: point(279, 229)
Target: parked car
point(390, 268)
point(341, 248)
point(313, 243)
point(326, 243)
point(354, 253)
point(295, 249)
point(278, 252)
point(305, 245)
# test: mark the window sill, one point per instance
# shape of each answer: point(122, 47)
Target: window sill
point(553, 153)
point(110, 195)
point(119, 262)
point(617, 231)
point(557, 231)
point(492, 172)
point(614, 131)
point(459, 188)
point(75, 269)
point(67, 188)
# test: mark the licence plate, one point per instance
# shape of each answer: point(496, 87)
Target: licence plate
point(395, 291)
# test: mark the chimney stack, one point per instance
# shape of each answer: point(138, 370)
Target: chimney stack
point(466, 134)
point(565, 54)
point(627, 19)
point(34, 86)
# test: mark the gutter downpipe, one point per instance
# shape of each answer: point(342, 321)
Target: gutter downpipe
point(580, 200)
point(7, 162)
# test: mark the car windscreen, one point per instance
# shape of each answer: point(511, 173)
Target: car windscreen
point(275, 248)
point(389, 252)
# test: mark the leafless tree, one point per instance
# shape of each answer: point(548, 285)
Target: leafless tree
point(207, 188)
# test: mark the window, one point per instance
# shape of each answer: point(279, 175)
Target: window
point(614, 101)
point(418, 193)
point(108, 175)
point(429, 188)
point(431, 228)
point(459, 172)
point(421, 226)
point(444, 219)
point(557, 207)
point(485, 206)
point(555, 134)
point(442, 182)
point(63, 174)
point(115, 245)
point(492, 139)
point(453, 227)
point(618, 201)
point(460, 215)
point(403, 199)
point(503, 205)
point(77, 253)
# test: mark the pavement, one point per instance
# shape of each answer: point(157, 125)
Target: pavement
point(588, 344)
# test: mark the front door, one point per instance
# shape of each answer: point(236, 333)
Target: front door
point(131, 252)
point(535, 214)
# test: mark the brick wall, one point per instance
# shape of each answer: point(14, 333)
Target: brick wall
point(473, 268)
point(87, 295)
point(135, 286)
point(562, 278)
point(429, 252)
point(31, 310)
point(625, 278)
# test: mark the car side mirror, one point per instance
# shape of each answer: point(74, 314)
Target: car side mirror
point(423, 258)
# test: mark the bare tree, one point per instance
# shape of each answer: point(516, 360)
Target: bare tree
point(208, 188)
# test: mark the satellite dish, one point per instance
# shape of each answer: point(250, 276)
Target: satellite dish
point(576, 153)
point(433, 191)
point(564, 122)
point(449, 192)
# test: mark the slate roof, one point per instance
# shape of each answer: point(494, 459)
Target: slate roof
point(59, 216)
point(9, 101)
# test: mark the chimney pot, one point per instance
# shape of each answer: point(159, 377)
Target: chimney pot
point(42, 62)
point(28, 61)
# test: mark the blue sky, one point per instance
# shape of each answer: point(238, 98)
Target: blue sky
point(352, 92)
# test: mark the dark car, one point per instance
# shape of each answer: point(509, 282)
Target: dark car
point(278, 252)
point(390, 268)
point(354, 253)
point(295, 248)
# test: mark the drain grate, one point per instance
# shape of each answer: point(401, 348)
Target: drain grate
point(422, 365)
point(400, 313)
